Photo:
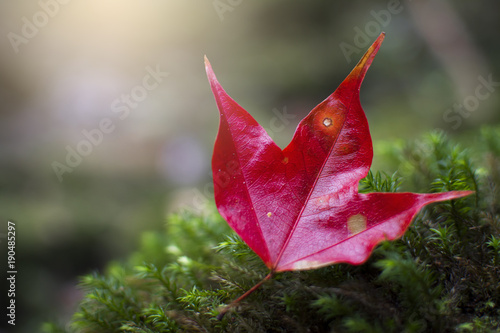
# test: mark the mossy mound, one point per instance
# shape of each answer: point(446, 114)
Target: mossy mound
point(442, 276)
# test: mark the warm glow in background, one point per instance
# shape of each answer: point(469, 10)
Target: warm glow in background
point(269, 56)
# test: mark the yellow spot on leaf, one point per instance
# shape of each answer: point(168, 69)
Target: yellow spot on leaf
point(285, 160)
point(356, 224)
point(269, 214)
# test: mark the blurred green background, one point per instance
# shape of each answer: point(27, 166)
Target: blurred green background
point(64, 63)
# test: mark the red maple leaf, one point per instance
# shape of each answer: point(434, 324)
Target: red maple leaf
point(299, 208)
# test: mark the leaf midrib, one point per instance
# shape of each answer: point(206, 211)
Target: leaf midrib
point(311, 190)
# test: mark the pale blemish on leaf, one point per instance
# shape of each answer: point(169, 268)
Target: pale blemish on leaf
point(356, 224)
point(303, 264)
point(327, 122)
point(269, 214)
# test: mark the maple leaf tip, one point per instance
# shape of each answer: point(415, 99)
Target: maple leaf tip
point(358, 73)
point(208, 67)
point(368, 57)
point(214, 83)
point(210, 72)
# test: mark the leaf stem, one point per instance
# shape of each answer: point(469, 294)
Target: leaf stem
point(239, 299)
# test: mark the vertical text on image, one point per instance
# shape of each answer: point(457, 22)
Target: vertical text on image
point(11, 272)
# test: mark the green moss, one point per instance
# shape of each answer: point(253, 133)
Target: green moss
point(442, 276)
